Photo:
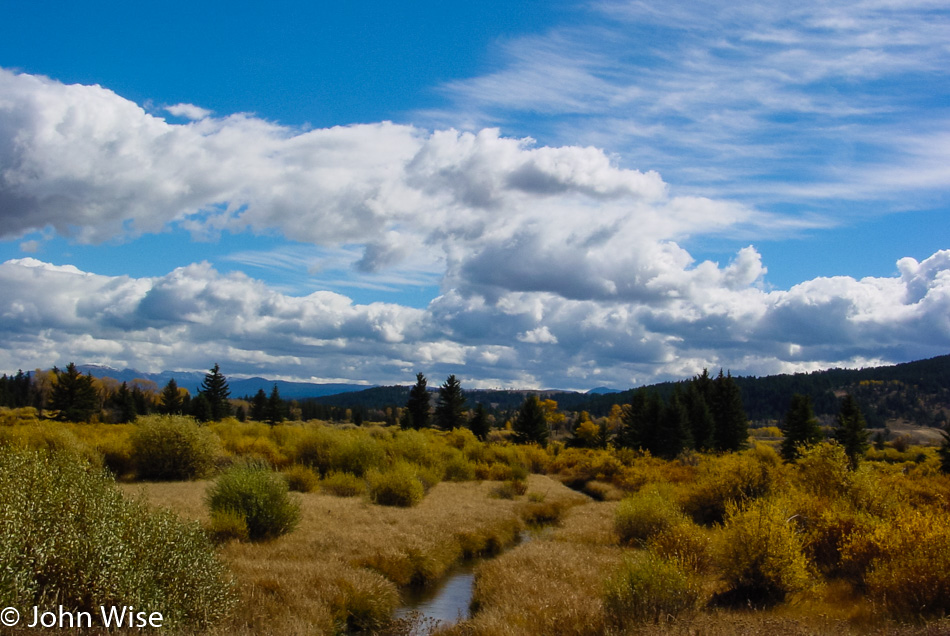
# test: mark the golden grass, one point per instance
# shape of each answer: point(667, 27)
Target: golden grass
point(343, 565)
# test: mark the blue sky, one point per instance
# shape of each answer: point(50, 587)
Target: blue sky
point(530, 194)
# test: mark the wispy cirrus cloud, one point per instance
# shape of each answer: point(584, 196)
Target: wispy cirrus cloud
point(818, 103)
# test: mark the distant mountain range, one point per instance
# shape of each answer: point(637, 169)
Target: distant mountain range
point(240, 387)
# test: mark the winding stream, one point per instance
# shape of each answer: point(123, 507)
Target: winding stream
point(447, 601)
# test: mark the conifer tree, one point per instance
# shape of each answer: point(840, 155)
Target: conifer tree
point(702, 426)
point(530, 425)
point(417, 408)
point(200, 408)
point(851, 431)
point(450, 409)
point(170, 401)
point(275, 408)
point(215, 389)
point(800, 427)
point(74, 395)
point(125, 405)
point(673, 435)
point(259, 406)
point(732, 427)
point(479, 424)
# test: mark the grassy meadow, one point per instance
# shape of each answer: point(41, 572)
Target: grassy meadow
point(322, 526)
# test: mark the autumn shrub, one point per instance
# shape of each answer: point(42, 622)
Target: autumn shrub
point(317, 448)
point(458, 468)
point(644, 515)
point(904, 563)
point(825, 525)
point(68, 537)
point(759, 553)
point(823, 469)
point(227, 525)
point(301, 479)
point(687, 544)
point(343, 484)
point(358, 453)
point(416, 447)
point(730, 479)
point(509, 489)
point(258, 494)
point(648, 589)
point(23, 415)
point(171, 447)
point(398, 486)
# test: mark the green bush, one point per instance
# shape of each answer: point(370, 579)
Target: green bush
point(260, 496)
point(172, 447)
point(648, 588)
point(343, 485)
point(68, 537)
point(399, 486)
point(644, 515)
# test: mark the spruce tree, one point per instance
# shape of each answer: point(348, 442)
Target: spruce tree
point(479, 423)
point(639, 421)
point(215, 389)
point(200, 408)
point(275, 408)
point(170, 401)
point(74, 395)
point(418, 405)
point(450, 409)
point(702, 426)
point(851, 430)
point(259, 406)
point(800, 427)
point(732, 426)
point(124, 404)
point(673, 435)
point(530, 425)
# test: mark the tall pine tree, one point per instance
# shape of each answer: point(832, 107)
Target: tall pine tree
point(851, 431)
point(74, 395)
point(274, 412)
point(732, 426)
point(170, 401)
point(530, 425)
point(215, 389)
point(479, 423)
point(450, 409)
point(800, 427)
point(417, 407)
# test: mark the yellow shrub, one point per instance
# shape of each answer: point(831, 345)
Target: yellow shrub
point(729, 480)
point(823, 470)
point(644, 515)
point(904, 563)
point(648, 589)
point(759, 552)
point(301, 479)
point(686, 543)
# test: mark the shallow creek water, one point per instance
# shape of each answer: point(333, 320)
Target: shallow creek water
point(447, 601)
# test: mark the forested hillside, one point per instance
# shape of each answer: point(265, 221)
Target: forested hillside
point(915, 392)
